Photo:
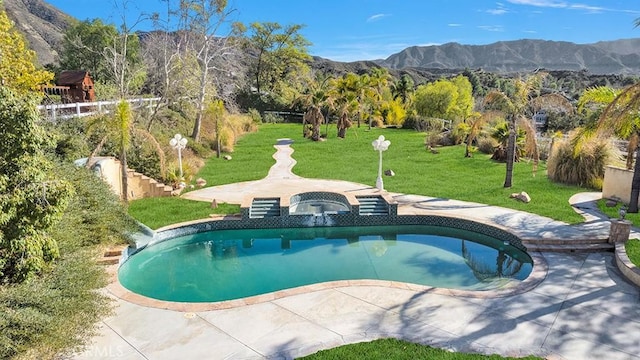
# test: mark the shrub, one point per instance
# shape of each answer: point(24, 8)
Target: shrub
point(583, 168)
point(272, 118)
point(56, 312)
point(487, 144)
point(255, 116)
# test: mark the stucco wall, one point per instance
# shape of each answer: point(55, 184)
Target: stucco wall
point(617, 183)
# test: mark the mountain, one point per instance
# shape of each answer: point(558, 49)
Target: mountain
point(42, 24)
point(606, 57)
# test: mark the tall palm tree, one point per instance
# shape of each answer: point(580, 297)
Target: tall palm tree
point(525, 96)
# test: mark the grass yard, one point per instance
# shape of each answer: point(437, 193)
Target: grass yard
point(161, 211)
point(393, 349)
point(447, 174)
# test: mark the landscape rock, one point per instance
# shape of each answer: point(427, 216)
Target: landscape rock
point(389, 172)
point(522, 196)
point(227, 157)
point(611, 203)
point(201, 182)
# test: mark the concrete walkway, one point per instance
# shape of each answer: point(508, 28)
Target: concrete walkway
point(583, 309)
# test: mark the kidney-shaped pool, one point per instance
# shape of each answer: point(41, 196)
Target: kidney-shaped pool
point(231, 264)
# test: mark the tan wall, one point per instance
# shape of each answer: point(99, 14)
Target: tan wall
point(139, 186)
point(617, 183)
point(110, 172)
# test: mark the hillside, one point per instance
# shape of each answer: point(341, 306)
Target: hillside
point(607, 57)
point(42, 24)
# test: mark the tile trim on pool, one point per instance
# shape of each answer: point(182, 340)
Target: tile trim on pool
point(538, 273)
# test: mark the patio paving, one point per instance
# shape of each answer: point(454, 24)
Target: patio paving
point(583, 309)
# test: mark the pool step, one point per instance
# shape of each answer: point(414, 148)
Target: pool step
point(373, 205)
point(264, 207)
point(111, 256)
point(568, 245)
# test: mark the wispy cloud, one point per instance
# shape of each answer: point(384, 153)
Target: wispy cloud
point(454, 25)
point(565, 5)
point(492, 28)
point(499, 10)
point(377, 17)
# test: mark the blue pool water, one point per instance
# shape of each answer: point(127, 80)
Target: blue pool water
point(232, 264)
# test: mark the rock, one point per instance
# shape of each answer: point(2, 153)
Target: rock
point(611, 203)
point(214, 204)
point(433, 150)
point(227, 157)
point(201, 182)
point(389, 172)
point(522, 196)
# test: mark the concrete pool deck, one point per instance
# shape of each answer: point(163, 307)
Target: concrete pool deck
point(583, 309)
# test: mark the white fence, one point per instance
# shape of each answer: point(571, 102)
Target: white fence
point(66, 111)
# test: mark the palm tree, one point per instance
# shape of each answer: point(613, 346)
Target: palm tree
point(403, 88)
point(119, 128)
point(515, 105)
point(621, 117)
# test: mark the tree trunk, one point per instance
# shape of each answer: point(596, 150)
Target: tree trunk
point(511, 152)
point(635, 185)
point(125, 178)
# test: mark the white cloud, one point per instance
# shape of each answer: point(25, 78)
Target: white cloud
point(454, 25)
point(492, 28)
point(377, 17)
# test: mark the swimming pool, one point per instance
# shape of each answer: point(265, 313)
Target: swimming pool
point(231, 264)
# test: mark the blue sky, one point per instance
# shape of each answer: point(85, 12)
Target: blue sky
point(349, 30)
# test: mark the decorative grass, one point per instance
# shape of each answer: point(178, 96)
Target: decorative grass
point(393, 349)
point(162, 211)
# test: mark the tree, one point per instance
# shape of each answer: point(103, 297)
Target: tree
point(32, 200)
point(437, 99)
point(216, 58)
point(403, 89)
point(513, 101)
point(117, 128)
point(17, 62)
point(215, 111)
point(621, 117)
point(278, 53)
point(83, 45)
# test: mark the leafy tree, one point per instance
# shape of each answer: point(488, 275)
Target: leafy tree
point(17, 62)
point(437, 99)
point(31, 198)
point(278, 53)
point(83, 45)
point(463, 108)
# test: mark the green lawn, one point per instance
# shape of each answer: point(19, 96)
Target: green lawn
point(161, 211)
point(447, 174)
point(393, 349)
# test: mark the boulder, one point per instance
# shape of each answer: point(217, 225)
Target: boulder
point(522, 196)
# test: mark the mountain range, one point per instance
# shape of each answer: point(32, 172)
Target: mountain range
point(44, 26)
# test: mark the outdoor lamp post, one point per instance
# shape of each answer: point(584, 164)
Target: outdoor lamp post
point(179, 143)
point(380, 145)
